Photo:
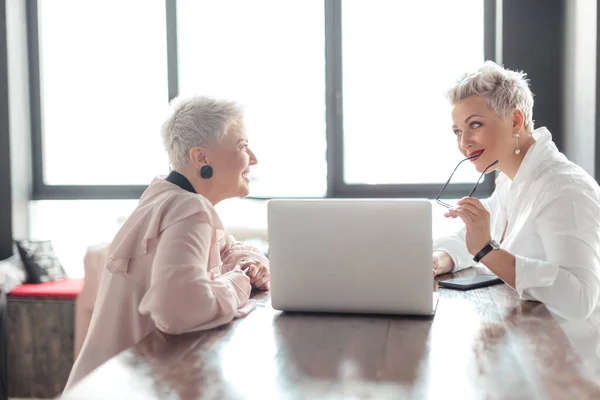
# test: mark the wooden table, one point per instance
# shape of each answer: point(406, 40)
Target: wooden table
point(481, 344)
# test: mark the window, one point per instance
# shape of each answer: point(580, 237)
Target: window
point(103, 86)
point(341, 101)
point(398, 57)
point(270, 56)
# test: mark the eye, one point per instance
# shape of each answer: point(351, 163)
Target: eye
point(457, 132)
point(475, 125)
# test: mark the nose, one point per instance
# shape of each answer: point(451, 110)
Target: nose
point(466, 141)
point(253, 159)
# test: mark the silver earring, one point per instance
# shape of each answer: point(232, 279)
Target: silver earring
point(517, 149)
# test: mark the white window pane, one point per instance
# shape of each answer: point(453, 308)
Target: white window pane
point(270, 56)
point(398, 59)
point(104, 91)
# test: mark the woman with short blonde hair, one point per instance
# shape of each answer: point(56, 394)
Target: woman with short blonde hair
point(172, 266)
point(540, 230)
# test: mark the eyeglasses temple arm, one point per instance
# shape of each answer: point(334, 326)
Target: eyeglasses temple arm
point(447, 182)
point(480, 176)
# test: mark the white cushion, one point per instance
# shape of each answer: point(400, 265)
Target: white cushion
point(13, 273)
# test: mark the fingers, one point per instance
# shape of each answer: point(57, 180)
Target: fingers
point(244, 264)
point(253, 271)
point(470, 209)
point(263, 282)
point(259, 276)
point(453, 213)
point(263, 279)
point(473, 202)
point(252, 267)
point(468, 206)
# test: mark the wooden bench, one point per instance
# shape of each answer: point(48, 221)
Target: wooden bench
point(40, 337)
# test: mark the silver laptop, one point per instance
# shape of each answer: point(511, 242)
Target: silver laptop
point(351, 256)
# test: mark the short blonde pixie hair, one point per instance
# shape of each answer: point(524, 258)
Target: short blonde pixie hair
point(504, 89)
point(197, 121)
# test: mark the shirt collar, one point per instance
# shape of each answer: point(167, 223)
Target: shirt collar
point(180, 180)
point(536, 154)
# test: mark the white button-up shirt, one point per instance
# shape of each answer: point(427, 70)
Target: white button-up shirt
point(552, 208)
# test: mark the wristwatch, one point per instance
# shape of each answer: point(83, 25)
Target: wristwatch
point(490, 246)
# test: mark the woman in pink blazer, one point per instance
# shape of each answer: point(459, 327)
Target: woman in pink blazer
point(172, 266)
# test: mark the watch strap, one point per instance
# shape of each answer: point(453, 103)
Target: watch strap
point(486, 249)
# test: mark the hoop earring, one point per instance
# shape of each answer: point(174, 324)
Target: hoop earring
point(517, 149)
point(206, 171)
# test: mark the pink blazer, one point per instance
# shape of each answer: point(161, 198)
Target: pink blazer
point(173, 267)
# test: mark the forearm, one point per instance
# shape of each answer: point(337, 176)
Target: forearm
point(502, 264)
point(182, 297)
point(568, 295)
point(186, 301)
point(454, 251)
point(568, 292)
point(237, 280)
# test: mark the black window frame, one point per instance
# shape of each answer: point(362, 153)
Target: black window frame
point(336, 187)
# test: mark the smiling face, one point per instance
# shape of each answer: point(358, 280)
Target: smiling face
point(482, 133)
point(231, 160)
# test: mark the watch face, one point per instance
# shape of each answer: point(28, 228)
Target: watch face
point(494, 244)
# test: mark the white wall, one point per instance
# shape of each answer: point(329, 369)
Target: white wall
point(580, 82)
point(19, 116)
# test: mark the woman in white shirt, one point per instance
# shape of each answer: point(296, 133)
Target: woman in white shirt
point(540, 230)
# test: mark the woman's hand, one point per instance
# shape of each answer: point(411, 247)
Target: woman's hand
point(442, 263)
point(259, 274)
point(477, 222)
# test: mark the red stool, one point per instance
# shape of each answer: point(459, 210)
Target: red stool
point(62, 289)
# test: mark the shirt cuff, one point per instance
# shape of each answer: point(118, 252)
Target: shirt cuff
point(530, 273)
point(235, 281)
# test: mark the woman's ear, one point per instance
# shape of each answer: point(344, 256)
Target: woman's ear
point(518, 120)
point(198, 157)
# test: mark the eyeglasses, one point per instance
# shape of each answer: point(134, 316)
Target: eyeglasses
point(440, 202)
